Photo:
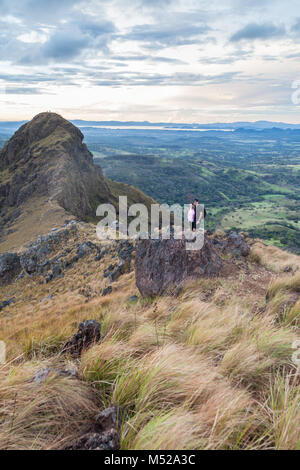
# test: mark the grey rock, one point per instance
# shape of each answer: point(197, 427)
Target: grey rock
point(108, 440)
point(107, 291)
point(20, 276)
point(10, 267)
point(238, 245)
point(163, 264)
point(85, 249)
point(112, 417)
point(49, 297)
point(89, 333)
point(42, 375)
point(6, 303)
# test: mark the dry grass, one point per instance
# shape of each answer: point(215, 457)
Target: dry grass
point(274, 258)
point(42, 416)
point(210, 369)
point(291, 284)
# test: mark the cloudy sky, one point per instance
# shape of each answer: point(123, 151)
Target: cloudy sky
point(156, 60)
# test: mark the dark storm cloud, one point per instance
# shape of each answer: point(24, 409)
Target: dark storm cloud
point(258, 31)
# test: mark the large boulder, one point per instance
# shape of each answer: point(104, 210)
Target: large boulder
point(10, 267)
point(238, 245)
point(233, 245)
point(161, 264)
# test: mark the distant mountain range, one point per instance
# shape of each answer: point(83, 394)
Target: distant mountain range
point(11, 126)
point(219, 125)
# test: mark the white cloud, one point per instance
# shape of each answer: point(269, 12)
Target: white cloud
point(145, 59)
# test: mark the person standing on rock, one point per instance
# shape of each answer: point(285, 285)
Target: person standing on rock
point(192, 216)
point(195, 218)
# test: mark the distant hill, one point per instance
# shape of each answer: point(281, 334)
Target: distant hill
point(218, 125)
point(9, 127)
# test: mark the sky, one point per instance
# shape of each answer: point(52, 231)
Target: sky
point(151, 60)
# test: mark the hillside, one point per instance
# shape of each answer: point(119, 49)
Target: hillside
point(136, 344)
point(206, 367)
point(248, 179)
point(47, 177)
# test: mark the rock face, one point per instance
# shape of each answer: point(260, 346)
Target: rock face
point(10, 266)
point(47, 157)
point(162, 264)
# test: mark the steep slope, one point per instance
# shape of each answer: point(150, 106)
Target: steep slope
point(47, 175)
point(208, 368)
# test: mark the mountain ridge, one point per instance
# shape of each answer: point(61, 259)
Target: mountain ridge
point(46, 162)
point(8, 126)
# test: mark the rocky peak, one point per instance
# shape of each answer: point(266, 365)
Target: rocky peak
point(46, 157)
point(46, 163)
point(51, 128)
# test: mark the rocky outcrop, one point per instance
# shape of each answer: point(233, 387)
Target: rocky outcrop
point(125, 251)
point(48, 256)
point(108, 440)
point(238, 245)
point(36, 258)
point(234, 245)
point(89, 333)
point(111, 417)
point(104, 432)
point(6, 303)
point(45, 374)
point(162, 264)
point(10, 267)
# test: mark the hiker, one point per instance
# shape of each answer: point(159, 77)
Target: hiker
point(192, 215)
